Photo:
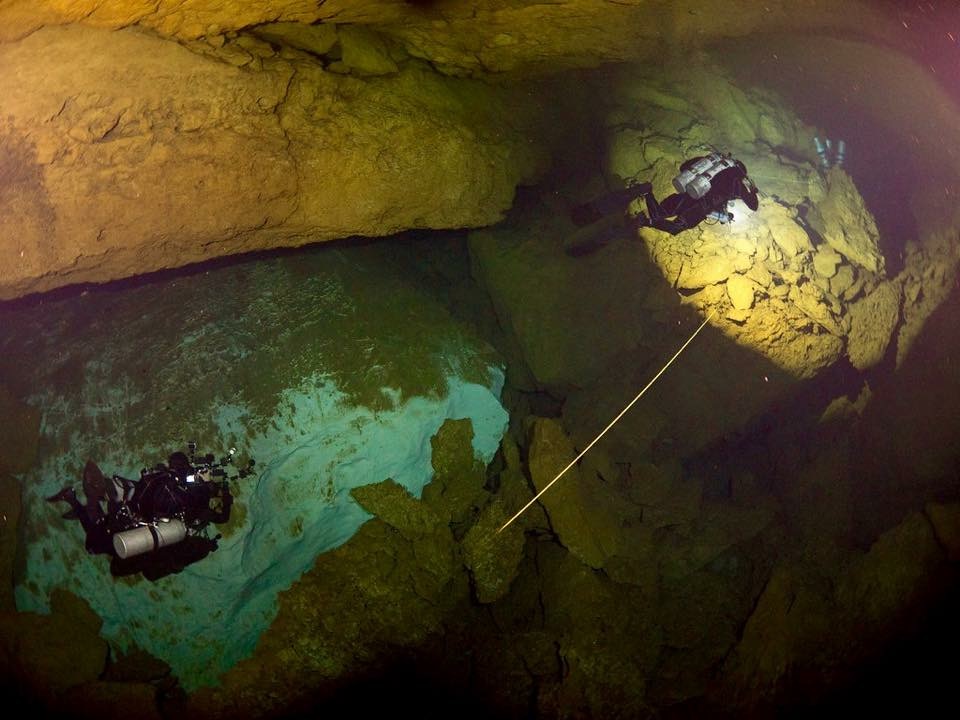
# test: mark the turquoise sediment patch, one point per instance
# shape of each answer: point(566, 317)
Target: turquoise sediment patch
point(327, 367)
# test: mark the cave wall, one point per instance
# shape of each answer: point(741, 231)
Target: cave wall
point(123, 152)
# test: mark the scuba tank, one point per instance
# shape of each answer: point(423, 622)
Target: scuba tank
point(697, 179)
point(147, 538)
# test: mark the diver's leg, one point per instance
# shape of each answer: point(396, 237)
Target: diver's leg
point(671, 226)
point(612, 203)
point(69, 496)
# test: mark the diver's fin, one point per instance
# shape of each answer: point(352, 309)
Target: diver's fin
point(64, 494)
point(94, 483)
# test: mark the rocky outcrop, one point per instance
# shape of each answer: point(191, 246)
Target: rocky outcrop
point(385, 590)
point(124, 167)
point(467, 35)
point(807, 631)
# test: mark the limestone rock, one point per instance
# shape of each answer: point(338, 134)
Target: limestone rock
point(873, 320)
point(842, 280)
point(741, 290)
point(825, 262)
point(842, 408)
point(845, 223)
point(790, 237)
point(812, 302)
point(394, 505)
point(315, 39)
point(493, 557)
point(895, 573)
point(365, 52)
point(35, 651)
point(458, 477)
point(548, 302)
point(550, 451)
point(706, 270)
point(110, 701)
point(263, 152)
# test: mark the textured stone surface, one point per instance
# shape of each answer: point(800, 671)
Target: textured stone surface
point(47, 654)
point(741, 290)
point(475, 35)
point(579, 530)
point(845, 223)
point(872, 322)
point(120, 166)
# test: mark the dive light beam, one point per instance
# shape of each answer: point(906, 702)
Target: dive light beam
point(612, 423)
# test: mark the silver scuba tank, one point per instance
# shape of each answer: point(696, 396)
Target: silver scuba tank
point(148, 538)
point(696, 180)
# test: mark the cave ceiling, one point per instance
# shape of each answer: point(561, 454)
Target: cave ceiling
point(145, 135)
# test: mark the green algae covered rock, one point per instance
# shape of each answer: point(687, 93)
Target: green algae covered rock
point(493, 557)
point(843, 220)
point(394, 505)
point(456, 489)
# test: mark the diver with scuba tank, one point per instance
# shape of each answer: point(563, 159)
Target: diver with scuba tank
point(704, 187)
point(167, 505)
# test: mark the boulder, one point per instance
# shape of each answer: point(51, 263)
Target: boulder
point(581, 531)
point(456, 491)
point(48, 654)
point(394, 505)
point(825, 261)
point(741, 291)
point(873, 320)
point(106, 700)
point(845, 223)
point(704, 270)
point(493, 557)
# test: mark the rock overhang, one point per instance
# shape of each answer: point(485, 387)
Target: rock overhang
point(116, 178)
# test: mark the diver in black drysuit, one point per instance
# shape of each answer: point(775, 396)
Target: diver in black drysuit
point(184, 489)
point(725, 186)
point(677, 212)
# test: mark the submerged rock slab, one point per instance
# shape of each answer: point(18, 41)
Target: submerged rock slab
point(141, 154)
point(327, 367)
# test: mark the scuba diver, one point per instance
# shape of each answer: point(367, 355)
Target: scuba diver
point(705, 186)
point(164, 513)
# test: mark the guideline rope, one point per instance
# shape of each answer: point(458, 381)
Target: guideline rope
point(612, 423)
